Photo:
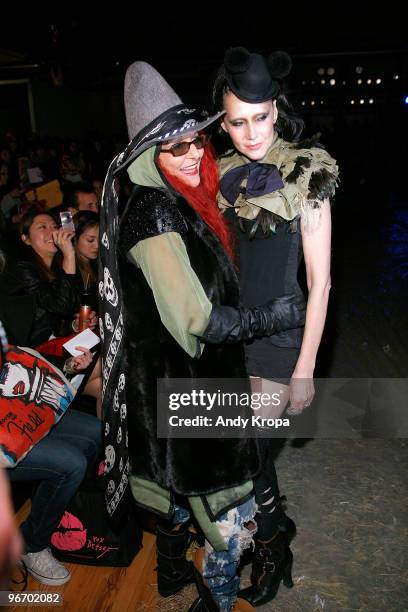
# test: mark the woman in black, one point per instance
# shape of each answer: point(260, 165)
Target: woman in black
point(55, 287)
point(274, 190)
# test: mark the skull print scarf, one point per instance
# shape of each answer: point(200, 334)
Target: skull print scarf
point(111, 332)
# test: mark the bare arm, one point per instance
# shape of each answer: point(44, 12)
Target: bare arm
point(317, 250)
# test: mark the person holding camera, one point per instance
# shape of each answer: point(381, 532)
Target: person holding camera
point(56, 288)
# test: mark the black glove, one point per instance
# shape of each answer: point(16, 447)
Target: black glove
point(228, 324)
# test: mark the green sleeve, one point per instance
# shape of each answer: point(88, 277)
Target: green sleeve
point(180, 298)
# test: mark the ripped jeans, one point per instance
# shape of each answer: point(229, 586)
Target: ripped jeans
point(220, 568)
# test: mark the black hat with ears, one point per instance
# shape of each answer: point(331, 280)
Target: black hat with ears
point(251, 77)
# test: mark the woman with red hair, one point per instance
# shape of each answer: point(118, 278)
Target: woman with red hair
point(170, 310)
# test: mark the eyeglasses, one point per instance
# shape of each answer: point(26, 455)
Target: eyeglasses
point(182, 148)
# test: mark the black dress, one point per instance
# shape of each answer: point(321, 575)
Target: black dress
point(268, 268)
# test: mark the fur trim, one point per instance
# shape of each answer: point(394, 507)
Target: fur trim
point(309, 143)
point(280, 64)
point(300, 163)
point(310, 175)
point(322, 185)
point(187, 466)
point(237, 59)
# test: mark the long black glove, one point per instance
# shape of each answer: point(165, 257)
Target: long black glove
point(228, 324)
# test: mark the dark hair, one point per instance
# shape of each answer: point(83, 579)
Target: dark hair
point(289, 126)
point(71, 194)
point(84, 220)
point(24, 229)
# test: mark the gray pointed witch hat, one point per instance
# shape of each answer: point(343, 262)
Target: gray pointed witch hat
point(155, 113)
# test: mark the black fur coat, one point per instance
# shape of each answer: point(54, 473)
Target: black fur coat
point(189, 467)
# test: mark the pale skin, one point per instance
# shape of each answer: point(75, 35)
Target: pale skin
point(251, 127)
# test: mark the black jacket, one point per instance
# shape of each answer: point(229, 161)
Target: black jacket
point(17, 309)
point(56, 301)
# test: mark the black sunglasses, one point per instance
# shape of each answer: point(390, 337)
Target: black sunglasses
point(182, 148)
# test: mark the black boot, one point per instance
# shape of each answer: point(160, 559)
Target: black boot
point(173, 570)
point(287, 526)
point(272, 564)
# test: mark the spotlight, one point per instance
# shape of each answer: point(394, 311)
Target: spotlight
point(396, 77)
point(330, 70)
point(371, 101)
point(332, 81)
point(312, 103)
point(362, 101)
point(303, 102)
point(406, 99)
point(378, 81)
point(323, 82)
point(359, 81)
point(368, 81)
point(351, 101)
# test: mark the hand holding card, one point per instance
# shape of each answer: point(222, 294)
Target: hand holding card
point(87, 339)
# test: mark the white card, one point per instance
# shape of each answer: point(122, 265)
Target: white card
point(87, 339)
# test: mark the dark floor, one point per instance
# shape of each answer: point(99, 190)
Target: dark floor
point(348, 499)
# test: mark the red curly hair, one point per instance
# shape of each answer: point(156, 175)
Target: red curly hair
point(203, 197)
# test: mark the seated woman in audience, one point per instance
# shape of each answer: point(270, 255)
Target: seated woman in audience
point(58, 461)
point(86, 251)
point(55, 288)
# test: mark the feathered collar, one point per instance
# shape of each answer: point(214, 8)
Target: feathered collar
point(309, 176)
